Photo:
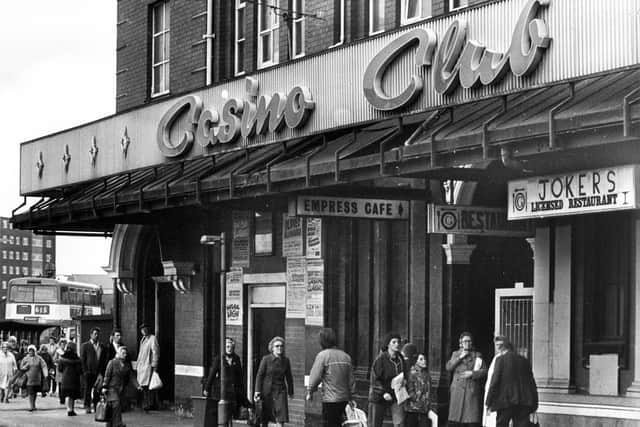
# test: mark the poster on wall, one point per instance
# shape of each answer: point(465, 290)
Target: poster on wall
point(315, 292)
point(314, 238)
point(233, 303)
point(240, 244)
point(292, 236)
point(296, 287)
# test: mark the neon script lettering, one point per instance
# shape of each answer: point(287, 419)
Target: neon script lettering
point(457, 60)
point(246, 118)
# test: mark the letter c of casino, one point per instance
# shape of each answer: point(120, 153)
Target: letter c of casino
point(192, 105)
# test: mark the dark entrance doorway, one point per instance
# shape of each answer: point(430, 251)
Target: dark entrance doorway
point(165, 315)
point(267, 323)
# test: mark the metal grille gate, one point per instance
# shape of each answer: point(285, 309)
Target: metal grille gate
point(514, 317)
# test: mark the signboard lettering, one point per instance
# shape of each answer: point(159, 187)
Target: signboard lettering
point(591, 191)
point(360, 208)
point(239, 117)
point(477, 220)
point(457, 59)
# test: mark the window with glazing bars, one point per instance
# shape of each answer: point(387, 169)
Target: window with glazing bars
point(160, 48)
point(267, 33)
point(457, 4)
point(410, 11)
point(376, 16)
point(298, 28)
point(241, 7)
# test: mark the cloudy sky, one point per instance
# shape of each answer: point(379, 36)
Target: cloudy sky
point(57, 70)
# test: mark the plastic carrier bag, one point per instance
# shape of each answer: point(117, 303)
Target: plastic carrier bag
point(356, 417)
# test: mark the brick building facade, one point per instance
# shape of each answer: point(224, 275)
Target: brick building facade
point(426, 167)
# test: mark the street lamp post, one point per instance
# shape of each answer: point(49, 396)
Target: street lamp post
point(223, 404)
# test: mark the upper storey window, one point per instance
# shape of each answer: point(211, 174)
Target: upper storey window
point(298, 28)
point(414, 10)
point(268, 33)
point(241, 7)
point(457, 4)
point(338, 22)
point(376, 16)
point(160, 48)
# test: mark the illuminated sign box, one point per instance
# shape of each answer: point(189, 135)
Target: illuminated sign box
point(589, 191)
point(474, 220)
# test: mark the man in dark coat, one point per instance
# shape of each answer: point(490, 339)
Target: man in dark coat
point(512, 392)
point(233, 380)
point(93, 355)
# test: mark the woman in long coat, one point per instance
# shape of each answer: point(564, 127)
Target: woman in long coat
point(60, 349)
point(469, 372)
point(70, 367)
point(274, 382)
point(8, 367)
point(36, 370)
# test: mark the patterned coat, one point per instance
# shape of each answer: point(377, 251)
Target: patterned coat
point(419, 389)
point(465, 405)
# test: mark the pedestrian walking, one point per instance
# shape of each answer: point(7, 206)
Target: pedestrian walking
point(70, 367)
point(500, 344)
point(52, 347)
point(333, 368)
point(93, 355)
point(62, 345)
point(116, 377)
point(421, 398)
point(233, 380)
point(115, 342)
point(147, 364)
point(469, 371)
point(44, 353)
point(274, 382)
point(36, 371)
point(388, 365)
point(512, 393)
point(8, 368)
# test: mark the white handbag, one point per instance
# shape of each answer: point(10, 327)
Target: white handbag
point(156, 382)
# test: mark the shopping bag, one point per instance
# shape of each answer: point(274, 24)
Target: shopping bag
point(102, 411)
point(156, 382)
point(355, 416)
point(533, 420)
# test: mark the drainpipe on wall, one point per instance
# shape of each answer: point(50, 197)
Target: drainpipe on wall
point(209, 36)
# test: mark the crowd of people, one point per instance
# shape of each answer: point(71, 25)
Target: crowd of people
point(98, 372)
point(400, 385)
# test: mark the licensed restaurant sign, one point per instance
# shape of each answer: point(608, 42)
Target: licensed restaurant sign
point(474, 220)
point(588, 191)
point(350, 207)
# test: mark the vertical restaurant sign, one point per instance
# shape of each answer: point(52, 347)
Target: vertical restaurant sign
point(292, 244)
point(589, 191)
point(315, 292)
point(240, 246)
point(296, 287)
point(314, 237)
point(233, 303)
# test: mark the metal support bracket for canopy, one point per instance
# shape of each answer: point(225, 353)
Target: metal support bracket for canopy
point(339, 151)
point(436, 131)
point(232, 173)
point(487, 123)
point(554, 110)
point(626, 111)
point(307, 160)
point(383, 145)
point(279, 157)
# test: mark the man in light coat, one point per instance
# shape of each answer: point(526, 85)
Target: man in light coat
point(147, 364)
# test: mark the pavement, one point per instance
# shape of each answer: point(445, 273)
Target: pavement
point(51, 413)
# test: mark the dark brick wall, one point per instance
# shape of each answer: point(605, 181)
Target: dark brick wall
point(188, 48)
point(132, 48)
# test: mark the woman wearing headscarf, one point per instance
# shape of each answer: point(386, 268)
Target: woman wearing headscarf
point(36, 370)
point(274, 382)
point(44, 353)
point(70, 367)
point(8, 367)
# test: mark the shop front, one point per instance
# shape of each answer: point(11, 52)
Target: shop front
point(398, 195)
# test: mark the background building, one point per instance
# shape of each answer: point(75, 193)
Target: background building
point(23, 253)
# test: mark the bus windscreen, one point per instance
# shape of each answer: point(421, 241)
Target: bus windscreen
point(37, 294)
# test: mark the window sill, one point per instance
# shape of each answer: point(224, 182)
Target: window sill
point(159, 94)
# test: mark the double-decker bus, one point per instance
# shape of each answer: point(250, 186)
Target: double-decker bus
point(44, 300)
